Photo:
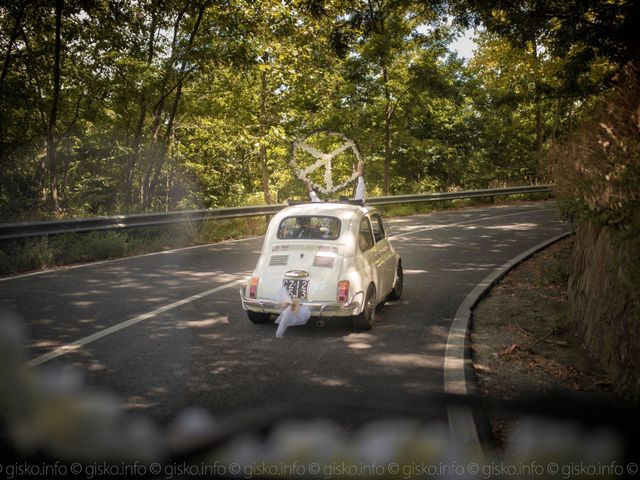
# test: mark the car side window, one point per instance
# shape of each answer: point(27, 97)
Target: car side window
point(365, 236)
point(378, 228)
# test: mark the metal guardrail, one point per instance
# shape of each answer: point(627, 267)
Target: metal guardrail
point(14, 231)
point(436, 197)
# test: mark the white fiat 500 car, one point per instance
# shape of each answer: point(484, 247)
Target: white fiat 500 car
point(334, 257)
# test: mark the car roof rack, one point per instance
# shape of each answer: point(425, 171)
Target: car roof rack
point(346, 200)
point(352, 201)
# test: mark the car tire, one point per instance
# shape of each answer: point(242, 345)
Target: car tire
point(258, 317)
point(396, 291)
point(364, 319)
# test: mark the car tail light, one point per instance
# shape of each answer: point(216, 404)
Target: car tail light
point(253, 287)
point(343, 291)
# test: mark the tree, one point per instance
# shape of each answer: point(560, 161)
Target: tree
point(110, 107)
point(583, 33)
point(387, 45)
point(16, 15)
point(52, 153)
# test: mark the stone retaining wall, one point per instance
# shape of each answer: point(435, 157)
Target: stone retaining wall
point(602, 306)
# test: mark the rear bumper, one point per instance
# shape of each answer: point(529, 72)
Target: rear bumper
point(318, 309)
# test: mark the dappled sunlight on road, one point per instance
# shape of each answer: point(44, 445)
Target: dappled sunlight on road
point(360, 341)
point(407, 360)
point(415, 272)
point(359, 337)
point(206, 352)
point(119, 290)
point(202, 323)
point(200, 353)
point(138, 403)
point(45, 344)
point(467, 267)
point(83, 303)
point(329, 381)
point(514, 226)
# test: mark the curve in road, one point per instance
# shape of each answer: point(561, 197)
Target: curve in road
point(186, 340)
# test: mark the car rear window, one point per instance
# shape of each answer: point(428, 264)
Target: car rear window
point(309, 227)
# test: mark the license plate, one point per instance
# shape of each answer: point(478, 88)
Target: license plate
point(296, 288)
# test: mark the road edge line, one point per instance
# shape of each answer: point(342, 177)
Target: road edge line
point(462, 425)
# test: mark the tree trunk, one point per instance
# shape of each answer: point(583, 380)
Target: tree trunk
point(264, 125)
point(170, 133)
point(42, 174)
point(570, 118)
point(388, 118)
point(538, 109)
point(556, 121)
point(158, 111)
point(52, 154)
point(36, 83)
point(153, 173)
point(134, 157)
point(5, 69)
point(12, 38)
point(388, 104)
point(539, 131)
point(167, 195)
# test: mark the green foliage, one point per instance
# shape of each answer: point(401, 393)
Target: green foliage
point(581, 32)
point(557, 271)
point(31, 255)
point(35, 254)
point(88, 247)
point(177, 105)
point(598, 166)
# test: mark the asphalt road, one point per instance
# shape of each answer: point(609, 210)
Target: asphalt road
point(183, 350)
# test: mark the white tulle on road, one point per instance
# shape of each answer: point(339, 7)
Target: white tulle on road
point(294, 315)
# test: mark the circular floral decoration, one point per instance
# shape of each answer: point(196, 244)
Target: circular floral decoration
point(323, 160)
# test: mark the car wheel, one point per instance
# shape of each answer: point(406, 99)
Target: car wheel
point(258, 317)
point(364, 320)
point(396, 292)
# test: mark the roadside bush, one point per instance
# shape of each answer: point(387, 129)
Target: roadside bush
point(557, 271)
point(218, 230)
point(597, 169)
point(33, 254)
point(89, 246)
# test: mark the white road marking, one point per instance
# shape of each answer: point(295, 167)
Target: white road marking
point(71, 347)
point(461, 422)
